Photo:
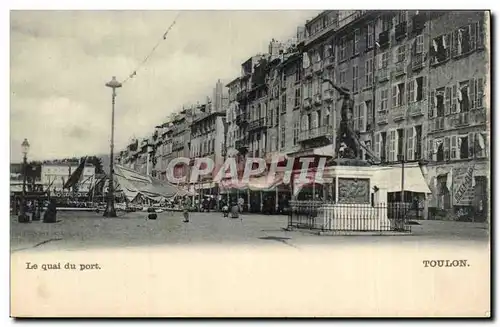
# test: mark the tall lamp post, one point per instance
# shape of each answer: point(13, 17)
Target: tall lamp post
point(23, 217)
point(110, 206)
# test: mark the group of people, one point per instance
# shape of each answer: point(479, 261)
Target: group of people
point(34, 208)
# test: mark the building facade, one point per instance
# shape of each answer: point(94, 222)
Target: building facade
point(56, 174)
point(418, 80)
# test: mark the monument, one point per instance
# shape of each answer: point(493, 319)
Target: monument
point(360, 202)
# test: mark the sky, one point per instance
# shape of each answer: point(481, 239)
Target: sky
point(60, 62)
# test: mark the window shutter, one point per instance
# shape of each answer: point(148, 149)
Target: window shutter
point(454, 148)
point(424, 87)
point(472, 93)
point(394, 96)
point(305, 123)
point(314, 120)
point(377, 145)
point(447, 100)
point(409, 92)
point(479, 93)
point(362, 115)
point(432, 104)
point(454, 40)
point(410, 145)
point(393, 146)
point(470, 140)
point(454, 99)
point(430, 149)
point(447, 148)
point(480, 35)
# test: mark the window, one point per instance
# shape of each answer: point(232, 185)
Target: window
point(417, 141)
point(421, 91)
point(283, 103)
point(384, 99)
point(419, 44)
point(368, 73)
point(430, 149)
point(297, 97)
point(446, 148)
point(342, 77)
point(400, 147)
point(362, 117)
point(400, 17)
point(386, 23)
point(283, 135)
point(328, 51)
point(439, 150)
point(298, 73)
point(411, 91)
point(343, 48)
point(355, 78)
point(315, 86)
point(440, 51)
point(384, 60)
point(296, 132)
point(479, 93)
point(377, 142)
point(480, 145)
point(398, 95)
point(326, 117)
point(393, 143)
point(383, 146)
point(355, 50)
point(463, 145)
point(439, 102)
point(466, 39)
point(305, 123)
point(370, 35)
point(401, 53)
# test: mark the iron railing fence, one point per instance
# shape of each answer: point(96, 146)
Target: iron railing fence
point(330, 216)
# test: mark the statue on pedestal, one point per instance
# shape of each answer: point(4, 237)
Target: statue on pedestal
point(347, 143)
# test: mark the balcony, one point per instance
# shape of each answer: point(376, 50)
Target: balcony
point(383, 75)
point(328, 95)
point(398, 113)
point(329, 62)
point(177, 145)
point(465, 119)
point(416, 109)
point(401, 30)
point(307, 103)
point(383, 38)
point(257, 124)
point(382, 117)
point(315, 133)
point(399, 69)
point(436, 124)
point(317, 99)
point(418, 61)
point(317, 67)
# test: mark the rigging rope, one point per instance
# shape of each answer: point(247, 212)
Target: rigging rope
point(143, 62)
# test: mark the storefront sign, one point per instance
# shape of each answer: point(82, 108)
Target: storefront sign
point(463, 178)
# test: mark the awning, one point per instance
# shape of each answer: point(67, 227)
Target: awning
point(414, 180)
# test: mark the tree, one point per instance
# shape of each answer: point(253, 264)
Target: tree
point(97, 162)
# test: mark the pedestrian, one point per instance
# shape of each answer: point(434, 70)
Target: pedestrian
point(186, 207)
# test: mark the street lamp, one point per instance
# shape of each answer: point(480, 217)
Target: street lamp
point(110, 206)
point(23, 217)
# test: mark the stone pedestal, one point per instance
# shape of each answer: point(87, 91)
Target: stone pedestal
point(360, 200)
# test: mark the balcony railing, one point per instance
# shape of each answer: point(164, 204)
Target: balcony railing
point(401, 30)
point(418, 61)
point(257, 124)
point(383, 74)
point(400, 68)
point(382, 117)
point(436, 124)
point(322, 131)
point(307, 103)
point(416, 109)
point(399, 113)
point(468, 118)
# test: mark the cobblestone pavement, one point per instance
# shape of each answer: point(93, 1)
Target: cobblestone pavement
point(80, 230)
